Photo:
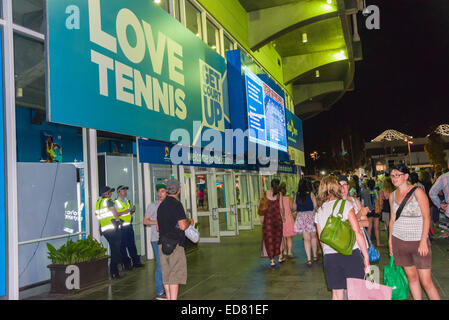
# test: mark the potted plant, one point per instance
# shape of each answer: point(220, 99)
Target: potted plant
point(77, 265)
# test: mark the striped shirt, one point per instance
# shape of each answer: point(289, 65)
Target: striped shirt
point(409, 225)
point(442, 184)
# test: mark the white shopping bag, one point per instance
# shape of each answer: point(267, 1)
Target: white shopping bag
point(192, 234)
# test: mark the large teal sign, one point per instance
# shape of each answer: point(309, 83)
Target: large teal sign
point(129, 67)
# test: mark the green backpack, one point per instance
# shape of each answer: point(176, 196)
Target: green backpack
point(338, 234)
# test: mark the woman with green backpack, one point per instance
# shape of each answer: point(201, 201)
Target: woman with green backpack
point(339, 263)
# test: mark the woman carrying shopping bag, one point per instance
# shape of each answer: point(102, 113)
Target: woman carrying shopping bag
point(408, 238)
point(338, 267)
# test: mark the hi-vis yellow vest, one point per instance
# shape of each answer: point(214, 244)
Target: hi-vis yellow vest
point(121, 206)
point(104, 215)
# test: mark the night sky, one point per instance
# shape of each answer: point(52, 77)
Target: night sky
point(402, 83)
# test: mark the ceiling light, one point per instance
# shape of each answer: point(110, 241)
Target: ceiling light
point(304, 37)
point(329, 1)
point(317, 73)
point(327, 7)
point(157, 1)
point(340, 56)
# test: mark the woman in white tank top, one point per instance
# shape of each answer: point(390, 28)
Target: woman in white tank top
point(408, 238)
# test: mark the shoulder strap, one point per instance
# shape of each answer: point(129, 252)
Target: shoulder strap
point(342, 206)
point(369, 240)
point(335, 205)
point(404, 201)
point(356, 206)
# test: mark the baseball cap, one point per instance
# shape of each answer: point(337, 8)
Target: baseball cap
point(122, 188)
point(106, 189)
point(172, 186)
point(160, 186)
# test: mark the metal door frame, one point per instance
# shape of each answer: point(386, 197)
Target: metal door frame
point(258, 188)
point(232, 210)
point(213, 212)
point(248, 204)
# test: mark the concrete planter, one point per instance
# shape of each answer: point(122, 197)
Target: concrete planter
point(89, 273)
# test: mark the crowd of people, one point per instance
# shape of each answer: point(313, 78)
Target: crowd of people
point(399, 198)
point(408, 203)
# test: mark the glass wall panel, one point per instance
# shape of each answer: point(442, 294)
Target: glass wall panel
point(50, 171)
point(213, 36)
point(177, 10)
point(29, 14)
point(117, 165)
point(29, 74)
point(193, 19)
point(228, 44)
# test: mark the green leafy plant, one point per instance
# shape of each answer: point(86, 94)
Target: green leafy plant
point(76, 252)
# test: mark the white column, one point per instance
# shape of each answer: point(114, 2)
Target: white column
point(12, 229)
point(91, 187)
point(148, 197)
point(141, 196)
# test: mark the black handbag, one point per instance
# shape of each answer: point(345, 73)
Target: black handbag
point(168, 244)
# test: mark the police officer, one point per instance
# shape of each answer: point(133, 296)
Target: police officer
point(110, 228)
point(125, 211)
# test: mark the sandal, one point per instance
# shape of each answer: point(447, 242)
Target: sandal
point(273, 264)
point(291, 255)
point(315, 259)
point(281, 260)
point(309, 263)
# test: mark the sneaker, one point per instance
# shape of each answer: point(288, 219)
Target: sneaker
point(161, 296)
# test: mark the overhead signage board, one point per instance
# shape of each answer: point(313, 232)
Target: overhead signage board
point(295, 139)
point(266, 113)
point(129, 67)
point(156, 152)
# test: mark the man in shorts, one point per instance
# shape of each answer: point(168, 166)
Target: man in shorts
point(172, 222)
point(441, 185)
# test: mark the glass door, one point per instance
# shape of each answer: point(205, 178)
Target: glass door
point(266, 183)
point(206, 205)
point(227, 211)
point(187, 193)
point(245, 221)
point(254, 196)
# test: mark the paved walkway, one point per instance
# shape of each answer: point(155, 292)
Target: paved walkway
point(232, 270)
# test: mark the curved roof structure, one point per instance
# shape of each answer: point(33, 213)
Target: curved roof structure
point(443, 129)
point(317, 43)
point(390, 135)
